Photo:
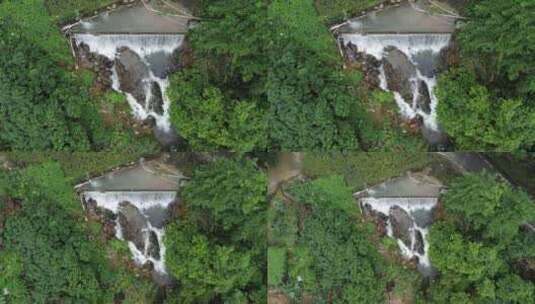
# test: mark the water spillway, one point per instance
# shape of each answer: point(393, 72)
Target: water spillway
point(403, 208)
point(133, 49)
point(407, 220)
point(139, 221)
point(139, 69)
point(407, 46)
point(414, 55)
point(134, 204)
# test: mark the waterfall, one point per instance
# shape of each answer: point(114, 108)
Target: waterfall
point(141, 199)
point(422, 51)
point(419, 211)
point(142, 44)
point(144, 201)
point(153, 49)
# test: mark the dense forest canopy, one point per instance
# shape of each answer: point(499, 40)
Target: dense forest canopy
point(49, 253)
point(265, 75)
point(44, 103)
point(480, 243)
point(486, 101)
point(217, 249)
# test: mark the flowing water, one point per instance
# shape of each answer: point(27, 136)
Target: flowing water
point(154, 38)
point(141, 195)
point(155, 50)
point(146, 202)
point(423, 52)
point(419, 211)
point(406, 204)
point(420, 36)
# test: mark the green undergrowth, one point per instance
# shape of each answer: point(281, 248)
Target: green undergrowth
point(340, 10)
point(361, 169)
point(63, 11)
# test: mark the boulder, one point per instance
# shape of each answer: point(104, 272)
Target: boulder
point(371, 70)
point(401, 225)
point(423, 100)
point(449, 56)
point(379, 218)
point(399, 71)
point(367, 63)
point(131, 71)
point(156, 98)
point(351, 53)
point(419, 243)
point(133, 224)
point(153, 249)
point(84, 56)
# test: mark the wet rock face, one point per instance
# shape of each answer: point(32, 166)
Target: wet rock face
point(131, 71)
point(153, 246)
point(399, 71)
point(133, 225)
point(401, 225)
point(156, 98)
point(419, 243)
point(99, 64)
point(367, 63)
point(379, 218)
point(449, 56)
point(423, 100)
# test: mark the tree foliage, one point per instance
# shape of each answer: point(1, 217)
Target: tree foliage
point(48, 252)
point(499, 38)
point(44, 103)
point(217, 249)
point(345, 266)
point(493, 110)
point(477, 243)
point(219, 101)
point(312, 102)
point(479, 120)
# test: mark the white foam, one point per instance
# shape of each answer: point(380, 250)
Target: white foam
point(142, 200)
point(144, 45)
point(409, 205)
point(411, 45)
point(142, 257)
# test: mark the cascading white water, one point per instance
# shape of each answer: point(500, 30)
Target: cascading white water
point(143, 201)
point(414, 46)
point(144, 45)
point(410, 206)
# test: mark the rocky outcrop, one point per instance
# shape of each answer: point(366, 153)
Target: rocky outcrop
point(419, 242)
point(401, 225)
point(365, 62)
point(99, 64)
point(131, 71)
point(133, 225)
point(449, 56)
point(379, 218)
point(423, 100)
point(399, 71)
point(156, 98)
point(153, 249)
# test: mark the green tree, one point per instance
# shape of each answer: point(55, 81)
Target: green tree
point(312, 102)
point(476, 119)
point(217, 248)
point(219, 100)
point(476, 243)
point(499, 39)
point(50, 253)
point(334, 246)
